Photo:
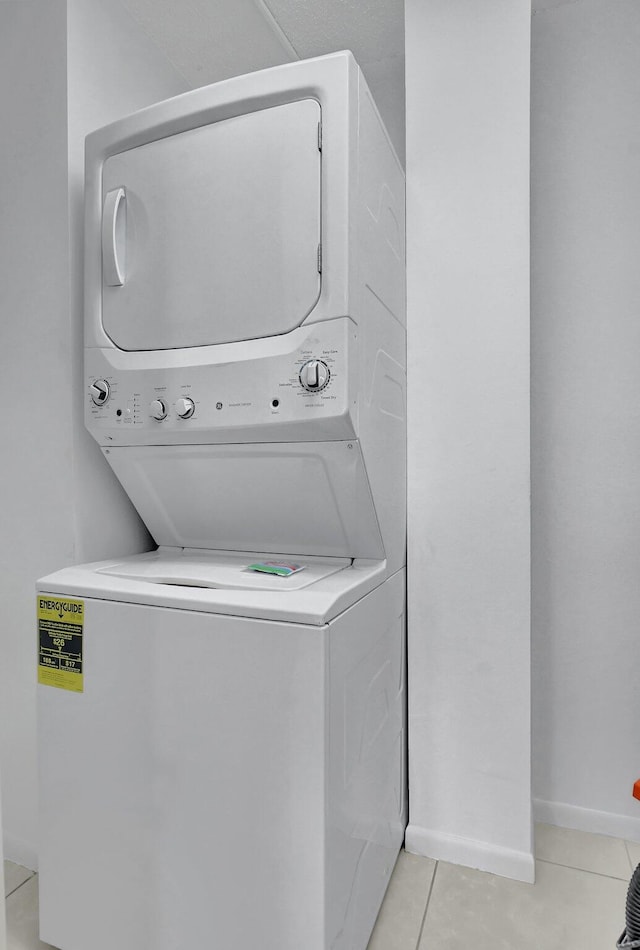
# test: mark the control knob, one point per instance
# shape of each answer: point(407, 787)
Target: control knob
point(185, 407)
point(158, 409)
point(99, 392)
point(314, 375)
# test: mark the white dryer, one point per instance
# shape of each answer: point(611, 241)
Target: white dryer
point(222, 751)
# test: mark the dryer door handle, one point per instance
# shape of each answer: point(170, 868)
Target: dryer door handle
point(114, 237)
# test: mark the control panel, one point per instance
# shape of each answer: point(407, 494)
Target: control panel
point(298, 379)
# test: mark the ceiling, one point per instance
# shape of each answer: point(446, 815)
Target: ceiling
point(209, 40)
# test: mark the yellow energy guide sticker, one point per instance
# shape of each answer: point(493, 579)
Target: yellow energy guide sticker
point(60, 627)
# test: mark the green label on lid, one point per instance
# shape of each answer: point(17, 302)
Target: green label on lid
point(276, 567)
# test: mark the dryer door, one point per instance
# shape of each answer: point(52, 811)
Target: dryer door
point(211, 235)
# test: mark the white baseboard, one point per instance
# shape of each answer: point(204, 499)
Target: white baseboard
point(19, 852)
point(587, 819)
point(517, 865)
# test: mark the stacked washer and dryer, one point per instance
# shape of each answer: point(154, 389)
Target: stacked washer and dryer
point(231, 771)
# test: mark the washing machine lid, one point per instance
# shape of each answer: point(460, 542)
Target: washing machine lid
point(212, 235)
point(216, 571)
point(218, 582)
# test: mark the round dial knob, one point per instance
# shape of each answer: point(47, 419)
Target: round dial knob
point(185, 407)
point(314, 375)
point(99, 392)
point(158, 409)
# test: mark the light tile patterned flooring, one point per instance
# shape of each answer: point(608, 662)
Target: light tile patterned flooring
point(577, 902)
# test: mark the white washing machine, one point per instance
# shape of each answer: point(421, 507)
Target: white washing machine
point(232, 775)
point(222, 750)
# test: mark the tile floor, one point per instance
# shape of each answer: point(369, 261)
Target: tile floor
point(577, 902)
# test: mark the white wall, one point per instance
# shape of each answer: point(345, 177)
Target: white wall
point(468, 338)
point(3, 927)
point(586, 413)
point(36, 508)
point(58, 501)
